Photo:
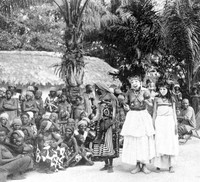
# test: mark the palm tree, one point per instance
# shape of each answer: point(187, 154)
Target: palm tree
point(181, 25)
point(135, 35)
point(80, 17)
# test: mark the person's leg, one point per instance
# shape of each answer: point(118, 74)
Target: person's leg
point(17, 167)
point(181, 131)
point(110, 167)
point(88, 161)
point(105, 166)
point(145, 169)
point(3, 174)
point(137, 169)
point(171, 169)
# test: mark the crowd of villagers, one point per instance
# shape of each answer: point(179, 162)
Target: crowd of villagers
point(56, 134)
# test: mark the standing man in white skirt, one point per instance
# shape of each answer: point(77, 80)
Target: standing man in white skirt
point(138, 131)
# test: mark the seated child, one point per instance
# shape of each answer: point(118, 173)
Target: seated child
point(71, 147)
point(84, 152)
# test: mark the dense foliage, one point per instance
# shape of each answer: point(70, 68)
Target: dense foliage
point(125, 34)
point(37, 28)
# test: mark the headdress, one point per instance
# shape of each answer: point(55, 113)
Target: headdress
point(136, 71)
point(31, 88)
point(53, 89)
point(46, 125)
point(4, 115)
point(30, 93)
point(82, 122)
point(176, 85)
point(19, 132)
point(70, 128)
point(31, 115)
point(17, 121)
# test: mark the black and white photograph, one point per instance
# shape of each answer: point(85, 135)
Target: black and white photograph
point(100, 90)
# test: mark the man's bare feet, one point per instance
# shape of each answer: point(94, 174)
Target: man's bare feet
point(136, 170)
point(145, 170)
point(171, 170)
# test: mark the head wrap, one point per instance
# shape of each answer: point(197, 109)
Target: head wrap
point(82, 122)
point(70, 128)
point(46, 125)
point(25, 113)
point(19, 132)
point(177, 85)
point(30, 94)
point(86, 119)
point(46, 115)
point(30, 114)
point(17, 121)
point(53, 89)
point(102, 86)
point(31, 88)
point(4, 115)
point(59, 92)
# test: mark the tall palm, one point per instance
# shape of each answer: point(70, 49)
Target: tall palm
point(81, 17)
point(135, 35)
point(182, 33)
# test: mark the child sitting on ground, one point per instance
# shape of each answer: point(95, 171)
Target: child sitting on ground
point(84, 152)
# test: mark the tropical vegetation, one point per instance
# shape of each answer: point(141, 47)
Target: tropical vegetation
point(125, 33)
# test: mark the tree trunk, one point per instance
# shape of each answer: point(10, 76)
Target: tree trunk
point(73, 93)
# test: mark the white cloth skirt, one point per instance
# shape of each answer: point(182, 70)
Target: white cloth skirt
point(138, 149)
point(138, 131)
point(165, 138)
point(164, 162)
point(138, 124)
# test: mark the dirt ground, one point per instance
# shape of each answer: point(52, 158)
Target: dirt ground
point(187, 170)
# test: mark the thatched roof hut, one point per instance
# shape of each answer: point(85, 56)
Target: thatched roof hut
point(26, 68)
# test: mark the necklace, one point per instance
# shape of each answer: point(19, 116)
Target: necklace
point(164, 99)
point(136, 92)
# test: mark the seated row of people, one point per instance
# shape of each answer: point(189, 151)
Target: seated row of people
point(55, 146)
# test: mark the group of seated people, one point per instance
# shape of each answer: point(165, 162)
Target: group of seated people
point(47, 136)
point(53, 135)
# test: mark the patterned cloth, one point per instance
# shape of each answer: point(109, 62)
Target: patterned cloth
point(108, 145)
point(54, 157)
